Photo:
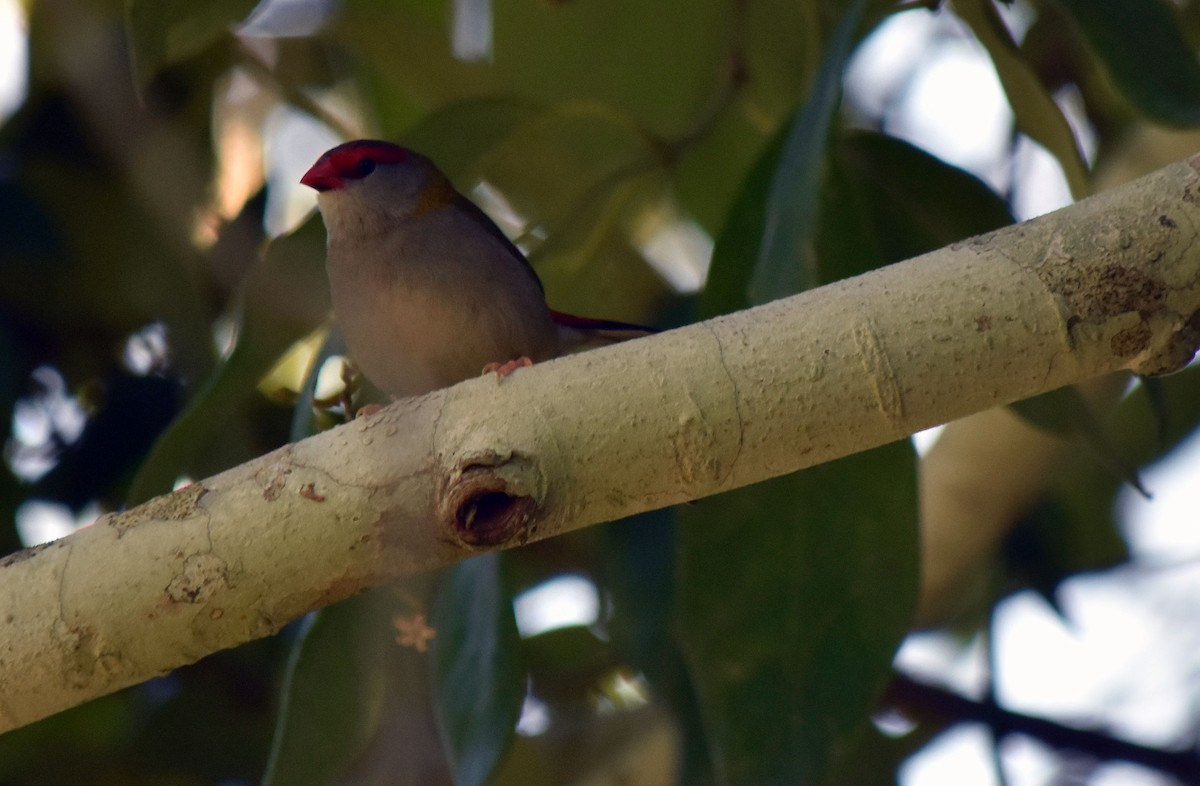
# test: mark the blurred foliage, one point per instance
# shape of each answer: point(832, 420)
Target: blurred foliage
point(745, 639)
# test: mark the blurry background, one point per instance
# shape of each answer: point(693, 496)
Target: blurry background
point(159, 263)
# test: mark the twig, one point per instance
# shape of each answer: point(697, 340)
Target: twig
point(930, 701)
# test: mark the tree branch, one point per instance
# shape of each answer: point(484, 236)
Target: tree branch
point(1110, 283)
point(930, 701)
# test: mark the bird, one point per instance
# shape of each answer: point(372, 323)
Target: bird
point(426, 289)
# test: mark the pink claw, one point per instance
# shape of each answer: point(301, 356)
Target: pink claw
point(504, 369)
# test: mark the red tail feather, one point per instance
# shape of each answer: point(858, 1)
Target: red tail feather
point(587, 323)
point(580, 332)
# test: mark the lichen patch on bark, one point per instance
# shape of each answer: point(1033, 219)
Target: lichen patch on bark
point(203, 575)
point(177, 506)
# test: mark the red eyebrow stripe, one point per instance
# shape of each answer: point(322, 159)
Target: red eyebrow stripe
point(346, 156)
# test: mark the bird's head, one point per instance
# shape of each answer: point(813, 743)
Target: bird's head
point(369, 180)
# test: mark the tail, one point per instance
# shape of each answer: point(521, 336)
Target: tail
point(584, 333)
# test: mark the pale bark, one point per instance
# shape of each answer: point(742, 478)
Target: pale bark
point(1107, 284)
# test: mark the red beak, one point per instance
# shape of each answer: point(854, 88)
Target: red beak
point(322, 176)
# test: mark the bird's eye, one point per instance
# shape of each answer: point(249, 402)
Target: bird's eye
point(364, 167)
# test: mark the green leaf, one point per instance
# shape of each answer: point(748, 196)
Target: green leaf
point(710, 169)
point(1052, 411)
point(874, 758)
point(1036, 113)
point(553, 166)
point(914, 202)
point(792, 598)
point(626, 54)
point(1049, 546)
point(738, 243)
point(335, 691)
point(1064, 412)
point(459, 135)
point(1141, 46)
point(638, 572)
point(591, 266)
point(81, 222)
point(782, 46)
point(884, 200)
point(283, 297)
point(357, 699)
point(1157, 401)
point(785, 263)
point(1076, 529)
point(162, 32)
point(78, 742)
point(478, 674)
point(847, 242)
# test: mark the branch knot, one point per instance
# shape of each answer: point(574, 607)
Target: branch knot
point(488, 501)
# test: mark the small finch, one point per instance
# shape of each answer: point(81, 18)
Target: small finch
point(427, 290)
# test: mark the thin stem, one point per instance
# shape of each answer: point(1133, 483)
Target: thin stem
point(933, 703)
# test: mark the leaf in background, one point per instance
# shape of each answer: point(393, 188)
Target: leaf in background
point(1052, 412)
point(875, 758)
point(1139, 425)
point(884, 200)
point(459, 135)
point(401, 51)
point(284, 296)
point(631, 55)
point(785, 263)
point(1142, 47)
point(554, 165)
point(709, 171)
point(68, 747)
point(616, 53)
point(914, 201)
point(1156, 399)
point(1036, 113)
point(792, 598)
point(848, 240)
point(81, 223)
point(479, 679)
point(845, 241)
point(345, 677)
point(1048, 546)
point(782, 42)
point(638, 571)
point(167, 31)
point(591, 267)
point(1064, 412)
point(736, 246)
point(1077, 528)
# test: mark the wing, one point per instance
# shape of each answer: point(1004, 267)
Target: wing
point(490, 225)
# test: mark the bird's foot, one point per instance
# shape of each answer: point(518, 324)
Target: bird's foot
point(504, 369)
point(369, 409)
